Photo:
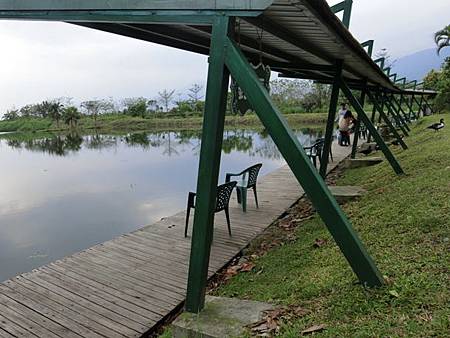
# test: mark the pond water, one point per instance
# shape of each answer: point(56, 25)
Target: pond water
point(64, 193)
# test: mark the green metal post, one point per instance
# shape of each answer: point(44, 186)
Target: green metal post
point(362, 100)
point(330, 122)
point(428, 105)
point(372, 119)
point(362, 115)
point(421, 106)
point(208, 174)
point(398, 119)
point(313, 184)
point(394, 103)
point(386, 120)
point(410, 104)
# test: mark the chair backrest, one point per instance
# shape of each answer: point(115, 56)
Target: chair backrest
point(223, 195)
point(252, 174)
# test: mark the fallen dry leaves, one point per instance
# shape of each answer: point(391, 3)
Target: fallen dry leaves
point(269, 326)
point(313, 329)
point(318, 243)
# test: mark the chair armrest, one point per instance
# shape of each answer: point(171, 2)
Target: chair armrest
point(229, 176)
point(191, 199)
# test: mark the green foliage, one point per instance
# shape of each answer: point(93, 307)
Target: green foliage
point(136, 107)
point(431, 80)
point(440, 81)
point(71, 115)
point(403, 221)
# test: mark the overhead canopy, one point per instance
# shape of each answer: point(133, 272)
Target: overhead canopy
point(298, 38)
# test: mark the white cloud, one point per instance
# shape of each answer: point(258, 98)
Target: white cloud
point(47, 60)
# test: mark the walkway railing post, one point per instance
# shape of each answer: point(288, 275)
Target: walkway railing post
point(362, 100)
point(331, 120)
point(362, 115)
point(308, 177)
point(211, 147)
point(386, 120)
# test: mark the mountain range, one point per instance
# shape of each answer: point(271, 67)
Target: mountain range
point(416, 66)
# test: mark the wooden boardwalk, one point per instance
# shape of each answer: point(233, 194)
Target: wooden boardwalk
point(126, 286)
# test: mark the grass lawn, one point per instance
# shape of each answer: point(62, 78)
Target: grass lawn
point(404, 223)
point(124, 123)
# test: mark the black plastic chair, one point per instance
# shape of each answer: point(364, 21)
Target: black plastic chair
point(222, 203)
point(248, 180)
point(314, 151)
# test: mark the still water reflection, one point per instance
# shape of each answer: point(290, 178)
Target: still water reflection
point(63, 193)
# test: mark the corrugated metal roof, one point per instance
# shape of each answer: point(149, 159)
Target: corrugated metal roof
point(300, 38)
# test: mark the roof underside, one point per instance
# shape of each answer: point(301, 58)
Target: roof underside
point(298, 38)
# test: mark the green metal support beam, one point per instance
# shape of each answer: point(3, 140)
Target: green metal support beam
point(346, 7)
point(362, 101)
point(365, 119)
point(398, 119)
point(330, 121)
point(369, 44)
point(380, 109)
point(397, 104)
point(208, 174)
point(394, 76)
point(381, 62)
point(314, 186)
point(388, 71)
point(154, 5)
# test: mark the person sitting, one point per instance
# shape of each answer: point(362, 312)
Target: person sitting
point(345, 126)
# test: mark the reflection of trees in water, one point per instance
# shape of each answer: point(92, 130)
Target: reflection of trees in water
point(59, 145)
point(99, 141)
point(237, 140)
point(171, 143)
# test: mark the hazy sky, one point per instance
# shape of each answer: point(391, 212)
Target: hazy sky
point(41, 60)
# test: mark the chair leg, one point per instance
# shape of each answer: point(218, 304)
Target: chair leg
point(256, 196)
point(238, 193)
point(227, 214)
point(244, 198)
point(188, 212)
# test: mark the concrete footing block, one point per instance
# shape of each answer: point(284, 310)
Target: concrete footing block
point(344, 194)
point(362, 162)
point(221, 318)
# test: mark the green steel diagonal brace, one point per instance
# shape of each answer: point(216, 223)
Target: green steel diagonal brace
point(208, 174)
point(330, 122)
point(365, 119)
point(398, 119)
point(313, 184)
point(369, 44)
point(398, 108)
point(346, 7)
point(410, 104)
point(386, 120)
point(420, 106)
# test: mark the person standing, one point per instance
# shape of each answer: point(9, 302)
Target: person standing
point(345, 125)
point(341, 112)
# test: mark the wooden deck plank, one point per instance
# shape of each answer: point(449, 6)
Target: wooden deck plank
point(125, 286)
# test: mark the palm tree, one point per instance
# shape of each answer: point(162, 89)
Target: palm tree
point(55, 110)
point(442, 38)
point(71, 116)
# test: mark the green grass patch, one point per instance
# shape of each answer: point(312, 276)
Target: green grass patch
point(125, 123)
point(404, 223)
